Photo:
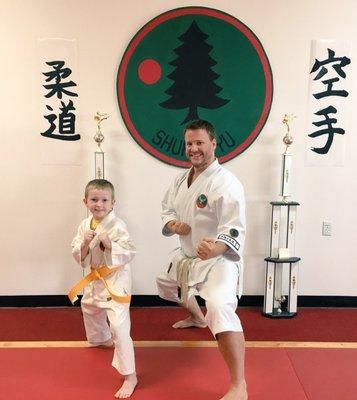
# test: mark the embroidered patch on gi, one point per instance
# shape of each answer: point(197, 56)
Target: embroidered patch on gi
point(233, 232)
point(229, 241)
point(201, 201)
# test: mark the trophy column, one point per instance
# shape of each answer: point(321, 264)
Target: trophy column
point(99, 165)
point(281, 279)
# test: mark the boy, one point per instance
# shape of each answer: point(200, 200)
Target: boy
point(103, 241)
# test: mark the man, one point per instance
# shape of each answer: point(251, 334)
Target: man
point(205, 206)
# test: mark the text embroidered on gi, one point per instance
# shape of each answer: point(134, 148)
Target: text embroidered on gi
point(229, 240)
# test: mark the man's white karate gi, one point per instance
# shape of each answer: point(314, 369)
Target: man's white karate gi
point(213, 206)
point(205, 206)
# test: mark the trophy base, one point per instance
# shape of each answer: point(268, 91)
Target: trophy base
point(279, 314)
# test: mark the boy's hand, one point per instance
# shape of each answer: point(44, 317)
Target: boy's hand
point(88, 236)
point(105, 241)
point(178, 227)
point(209, 248)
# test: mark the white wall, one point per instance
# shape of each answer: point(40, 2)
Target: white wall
point(42, 205)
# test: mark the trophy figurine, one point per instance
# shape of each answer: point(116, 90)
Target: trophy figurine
point(288, 139)
point(99, 153)
point(280, 301)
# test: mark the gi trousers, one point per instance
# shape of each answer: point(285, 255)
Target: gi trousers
point(218, 290)
point(96, 315)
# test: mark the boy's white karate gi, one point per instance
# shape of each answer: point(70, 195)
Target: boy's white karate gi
point(96, 303)
point(214, 207)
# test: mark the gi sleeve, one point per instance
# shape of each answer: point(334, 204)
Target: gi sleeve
point(123, 249)
point(229, 205)
point(76, 247)
point(168, 212)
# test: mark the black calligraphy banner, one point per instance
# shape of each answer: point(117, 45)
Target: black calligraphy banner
point(329, 104)
point(59, 101)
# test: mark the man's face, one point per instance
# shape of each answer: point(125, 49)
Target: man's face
point(99, 202)
point(200, 148)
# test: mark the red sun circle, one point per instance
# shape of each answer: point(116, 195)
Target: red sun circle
point(149, 71)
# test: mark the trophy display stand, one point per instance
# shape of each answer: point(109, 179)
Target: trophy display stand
point(282, 265)
point(280, 297)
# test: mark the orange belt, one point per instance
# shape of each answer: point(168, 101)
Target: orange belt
point(97, 274)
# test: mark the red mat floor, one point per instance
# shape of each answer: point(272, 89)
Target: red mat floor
point(177, 374)
point(329, 325)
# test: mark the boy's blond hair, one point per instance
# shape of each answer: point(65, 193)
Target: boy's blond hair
point(101, 184)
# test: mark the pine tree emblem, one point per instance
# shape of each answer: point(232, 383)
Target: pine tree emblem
point(193, 76)
point(194, 63)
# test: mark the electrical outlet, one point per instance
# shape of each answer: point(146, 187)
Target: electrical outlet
point(326, 228)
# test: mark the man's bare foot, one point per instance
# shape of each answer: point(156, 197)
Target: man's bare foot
point(189, 323)
point(109, 344)
point(127, 388)
point(236, 393)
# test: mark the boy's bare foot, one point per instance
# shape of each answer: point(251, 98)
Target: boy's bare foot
point(236, 393)
point(189, 323)
point(127, 388)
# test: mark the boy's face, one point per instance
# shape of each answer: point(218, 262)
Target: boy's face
point(99, 202)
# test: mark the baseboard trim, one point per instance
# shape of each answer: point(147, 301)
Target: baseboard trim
point(156, 301)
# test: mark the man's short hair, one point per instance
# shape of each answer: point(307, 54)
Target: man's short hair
point(201, 124)
point(101, 184)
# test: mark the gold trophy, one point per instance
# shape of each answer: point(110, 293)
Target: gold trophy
point(99, 153)
point(286, 160)
point(280, 301)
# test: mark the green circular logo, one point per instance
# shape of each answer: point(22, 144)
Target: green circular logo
point(194, 63)
point(233, 232)
point(201, 201)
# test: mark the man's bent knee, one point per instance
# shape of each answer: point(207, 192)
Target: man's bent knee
point(221, 317)
point(167, 289)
